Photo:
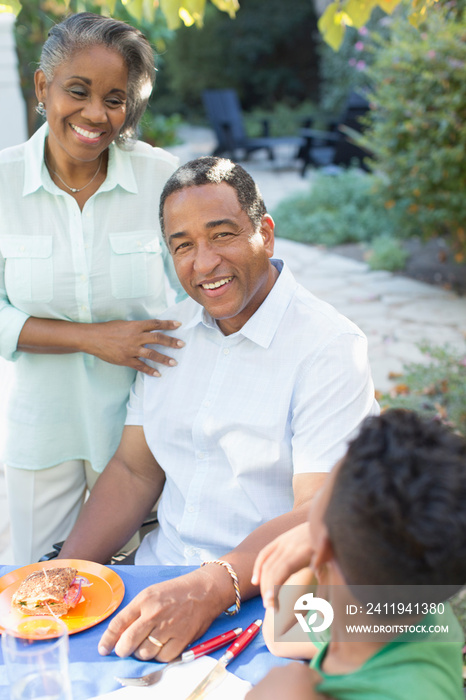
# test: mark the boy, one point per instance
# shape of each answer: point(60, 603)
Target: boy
point(393, 511)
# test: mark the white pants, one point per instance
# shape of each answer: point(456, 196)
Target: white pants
point(44, 505)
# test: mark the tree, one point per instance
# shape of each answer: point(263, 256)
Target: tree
point(337, 16)
point(176, 11)
point(356, 13)
point(279, 43)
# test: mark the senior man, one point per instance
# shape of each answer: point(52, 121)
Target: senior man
point(271, 384)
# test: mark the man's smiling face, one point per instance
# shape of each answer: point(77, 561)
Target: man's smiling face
point(221, 260)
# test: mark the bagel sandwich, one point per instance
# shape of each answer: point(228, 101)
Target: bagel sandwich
point(48, 592)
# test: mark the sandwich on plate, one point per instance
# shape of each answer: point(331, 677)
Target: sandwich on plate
point(48, 592)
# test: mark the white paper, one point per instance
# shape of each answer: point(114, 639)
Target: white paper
point(178, 682)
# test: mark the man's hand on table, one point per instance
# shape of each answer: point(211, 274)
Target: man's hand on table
point(174, 612)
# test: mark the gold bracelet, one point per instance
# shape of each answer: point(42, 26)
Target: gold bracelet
point(234, 578)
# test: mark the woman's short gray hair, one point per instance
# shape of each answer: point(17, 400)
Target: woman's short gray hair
point(85, 29)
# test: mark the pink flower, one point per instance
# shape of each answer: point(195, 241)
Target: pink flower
point(352, 61)
point(363, 31)
point(360, 65)
point(359, 46)
point(431, 53)
point(463, 362)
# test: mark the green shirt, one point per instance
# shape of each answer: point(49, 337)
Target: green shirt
point(404, 670)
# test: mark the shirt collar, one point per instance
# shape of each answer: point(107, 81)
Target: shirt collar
point(35, 172)
point(119, 171)
point(263, 324)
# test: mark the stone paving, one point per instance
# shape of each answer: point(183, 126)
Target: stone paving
point(394, 312)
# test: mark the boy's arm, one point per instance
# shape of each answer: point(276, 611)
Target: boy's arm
point(280, 628)
point(296, 681)
point(287, 554)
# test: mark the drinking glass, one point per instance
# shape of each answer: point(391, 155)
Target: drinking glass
point(35, 653)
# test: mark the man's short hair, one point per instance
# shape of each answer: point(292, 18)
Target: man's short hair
point(212, 170)
point(397, 513)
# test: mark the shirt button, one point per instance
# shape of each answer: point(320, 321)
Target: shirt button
point(200, 455)
point(190, 509)
point(84, 308)
point(22, 248)
point(190, 551)
point(226, 351)
point(207, 403)
point(83, 278)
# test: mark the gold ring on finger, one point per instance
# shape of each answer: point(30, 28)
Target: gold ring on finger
point(156, 642)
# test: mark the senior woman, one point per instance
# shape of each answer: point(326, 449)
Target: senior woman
point(82, 272)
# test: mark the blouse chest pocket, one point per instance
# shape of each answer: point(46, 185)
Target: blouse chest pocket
point(135, 259)
point(28, 267)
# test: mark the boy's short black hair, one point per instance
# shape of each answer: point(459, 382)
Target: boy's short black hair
point(213, 170)
point(397, 513)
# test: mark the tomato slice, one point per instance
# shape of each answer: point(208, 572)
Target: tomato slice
point(73, 594)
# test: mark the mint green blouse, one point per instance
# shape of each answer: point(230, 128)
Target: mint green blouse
point(105, 262)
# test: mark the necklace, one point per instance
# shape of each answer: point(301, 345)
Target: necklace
point(74, 189)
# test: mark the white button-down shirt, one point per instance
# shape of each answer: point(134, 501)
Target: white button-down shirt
point(102, 263)
point(241, 414)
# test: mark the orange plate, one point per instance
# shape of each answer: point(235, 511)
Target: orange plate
point(100, 599)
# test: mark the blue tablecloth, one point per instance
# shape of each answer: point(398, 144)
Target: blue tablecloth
point(92, 674)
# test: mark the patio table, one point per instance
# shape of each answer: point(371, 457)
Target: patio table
point(92, 674)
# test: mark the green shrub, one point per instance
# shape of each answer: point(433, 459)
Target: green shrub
point(386, 253)
point(342, 208)
point(417, 123)
point(283, 119)
point(434, 388)
point(159, 130)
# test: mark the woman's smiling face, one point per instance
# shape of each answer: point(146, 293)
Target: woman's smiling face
point(85, 103)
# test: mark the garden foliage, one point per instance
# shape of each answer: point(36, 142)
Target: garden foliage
point(417, 124)
point(282, 119)
point(436, 387)
point(267, 54)
point(343, 208)
point(386, 253)
point(344, 71)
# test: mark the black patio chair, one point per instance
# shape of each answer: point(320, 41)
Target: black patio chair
point(334, 146)
point(225, 115)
